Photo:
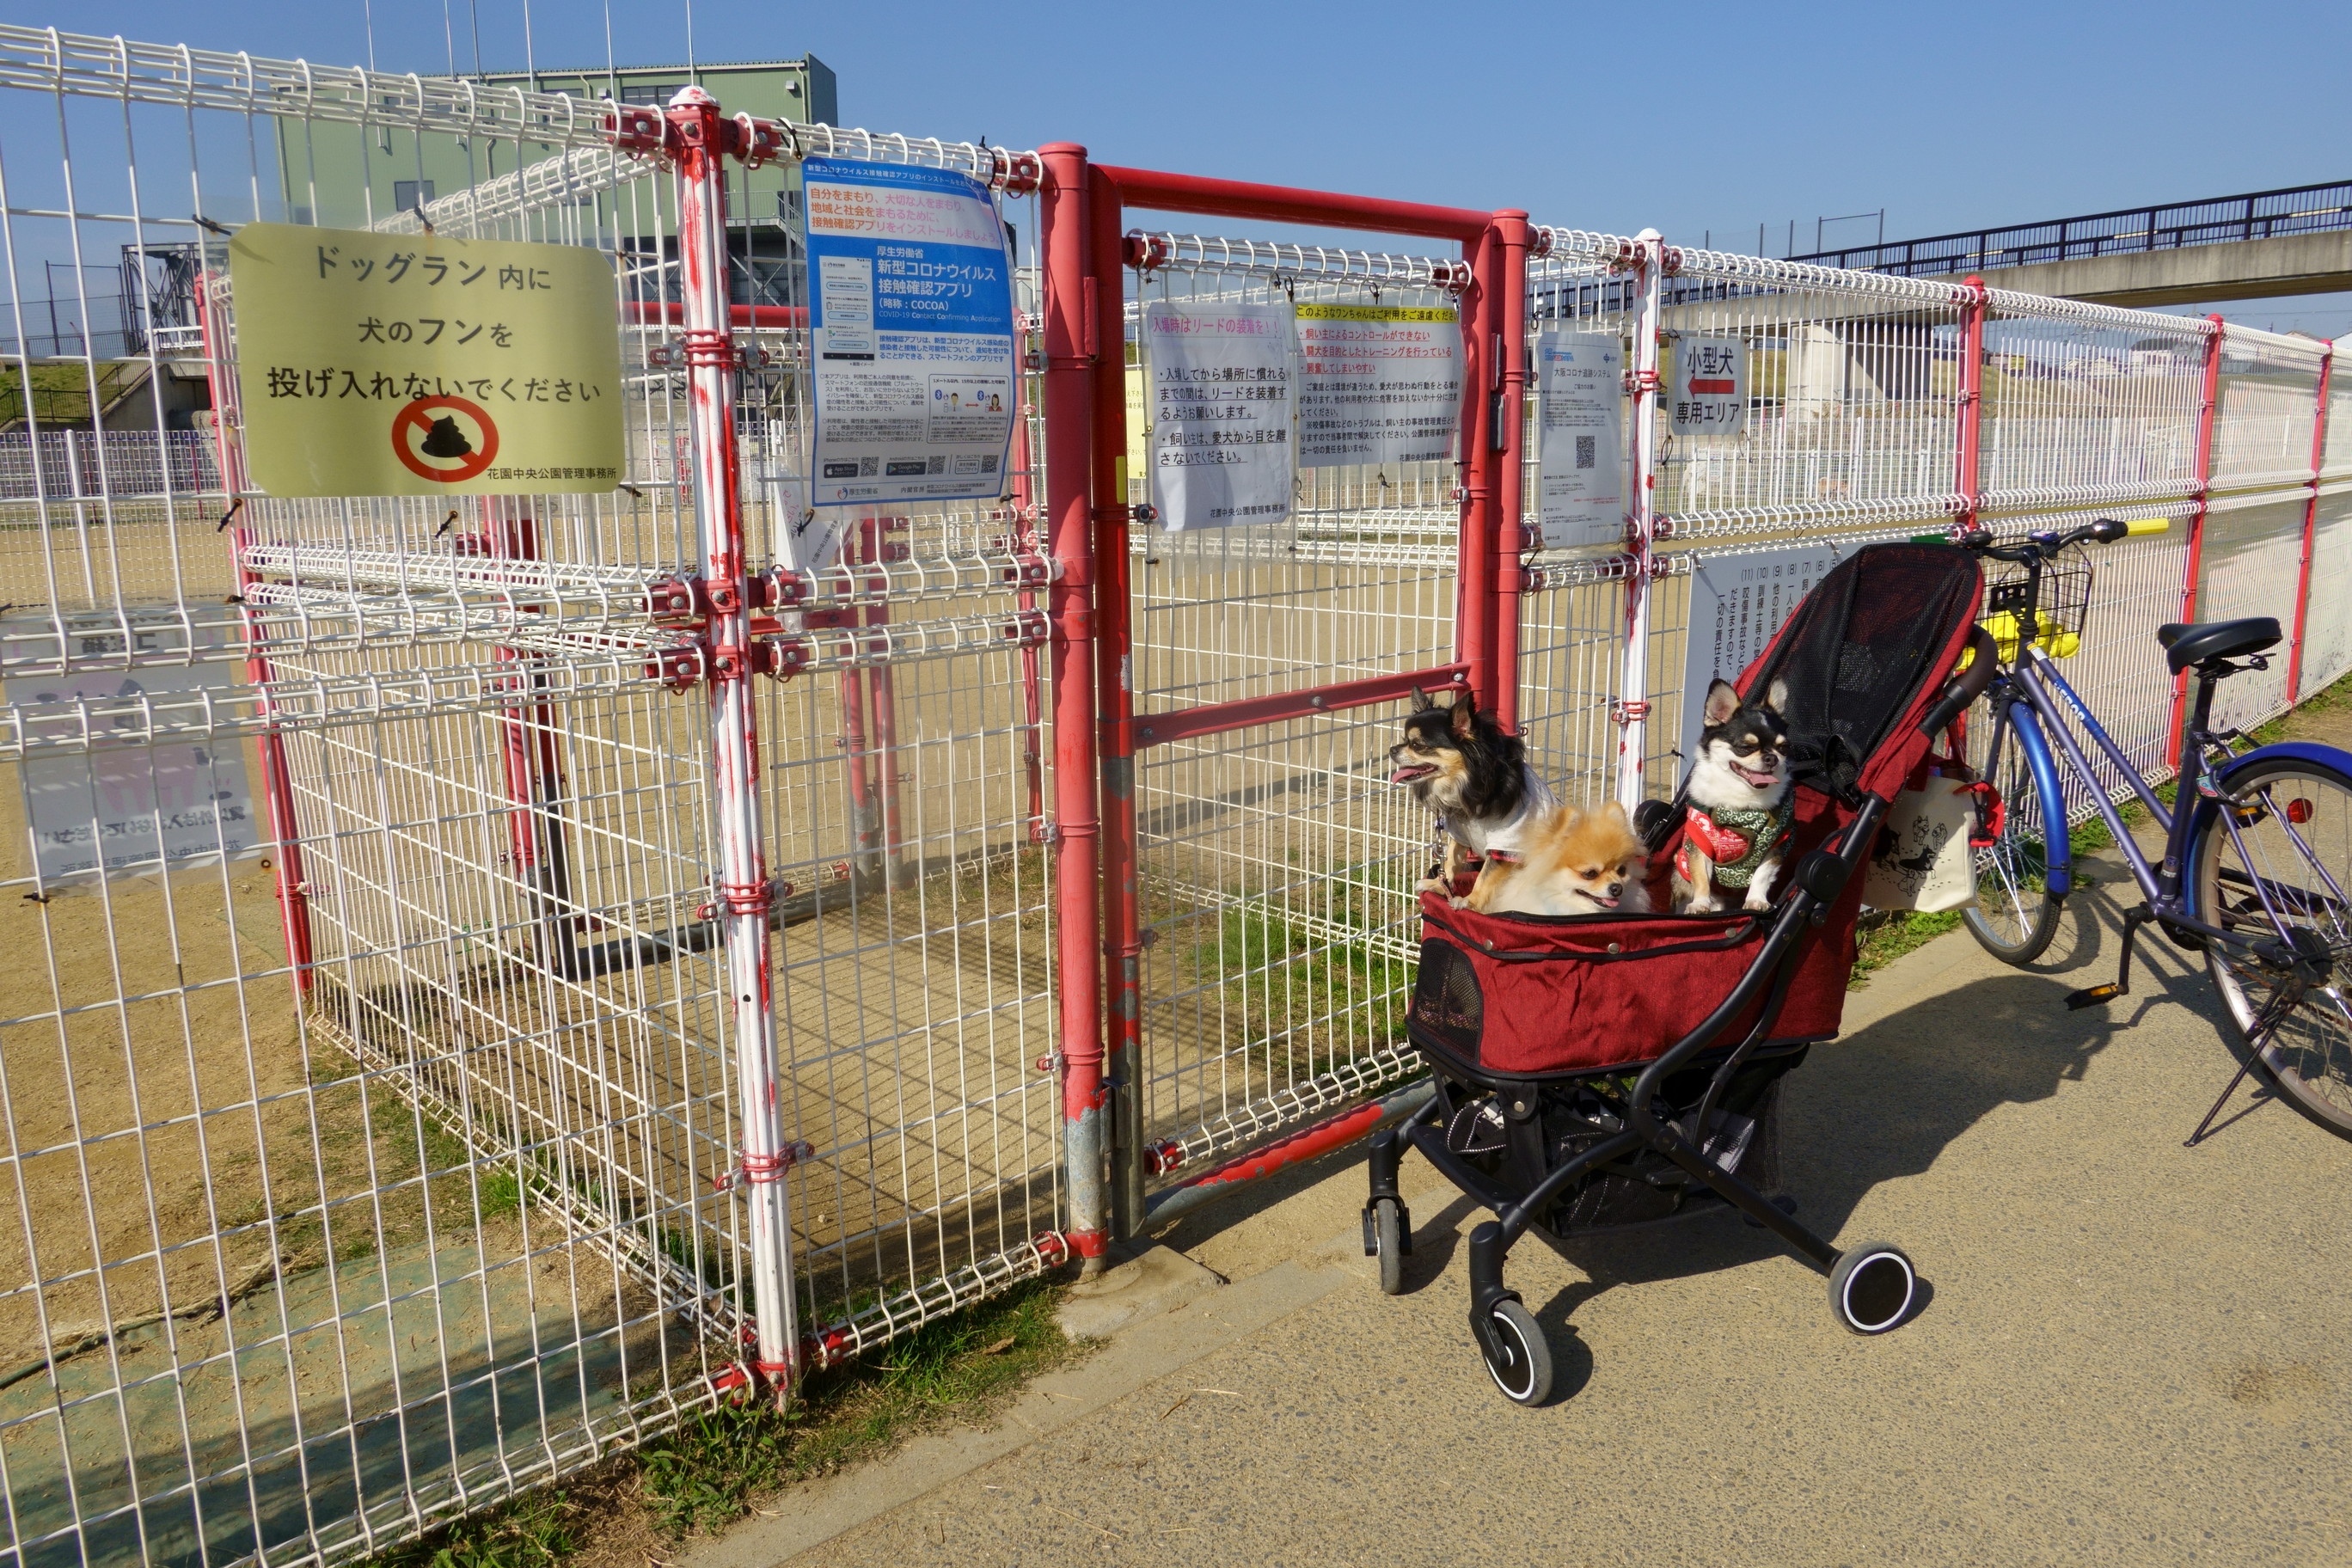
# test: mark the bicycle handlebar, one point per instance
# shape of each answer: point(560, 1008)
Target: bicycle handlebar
point(2041, 546)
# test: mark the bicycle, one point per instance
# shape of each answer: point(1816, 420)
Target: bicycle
point(2256, 857)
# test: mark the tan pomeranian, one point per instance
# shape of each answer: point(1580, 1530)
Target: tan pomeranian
point(1571, 862)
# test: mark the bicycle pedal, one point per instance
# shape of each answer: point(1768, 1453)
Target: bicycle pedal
point(2093, 997)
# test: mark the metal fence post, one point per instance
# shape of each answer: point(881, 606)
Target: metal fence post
point(2310, 529)
point(1969, 475)
point(698, 140)
point(1633, 713)
point(1510, 337)
point(1115, 699)
point(2206, 412)
point(277, 780)
point(1072, 354)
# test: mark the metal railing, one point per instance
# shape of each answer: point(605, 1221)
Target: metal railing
point(2213, 220)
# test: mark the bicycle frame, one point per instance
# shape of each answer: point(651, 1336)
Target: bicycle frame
point(2025, 698)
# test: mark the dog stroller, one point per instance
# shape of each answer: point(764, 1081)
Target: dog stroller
point(1595, 1072)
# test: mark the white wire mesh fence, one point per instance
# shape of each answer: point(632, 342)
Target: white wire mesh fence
point(374, 1141)
point(1857, 430)
point(376, 1136)
point(1274, 862)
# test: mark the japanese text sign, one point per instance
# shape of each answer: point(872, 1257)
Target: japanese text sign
point(412, 365)
point(1738, 604)
point(1580, 443)
point(1709, 393)
point(911, 307)
point(1378, 384)
point(1221, 413)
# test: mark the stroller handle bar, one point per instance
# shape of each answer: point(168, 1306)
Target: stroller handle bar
point(1962, 690)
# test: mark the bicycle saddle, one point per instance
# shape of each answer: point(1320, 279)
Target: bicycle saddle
point(2187, 645)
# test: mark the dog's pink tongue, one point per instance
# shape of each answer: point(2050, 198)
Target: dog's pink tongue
point(1406, 774)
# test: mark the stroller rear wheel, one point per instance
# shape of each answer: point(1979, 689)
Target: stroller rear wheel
point(1871, 1288)
point(1517, 1358)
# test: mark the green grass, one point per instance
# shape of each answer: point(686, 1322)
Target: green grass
point(534, 1530)
point(1882, 936)
point(710, 1471)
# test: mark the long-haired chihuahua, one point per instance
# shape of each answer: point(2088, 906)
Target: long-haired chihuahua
point(1461, 765)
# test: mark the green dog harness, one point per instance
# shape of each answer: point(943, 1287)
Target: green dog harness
point(1738, 839)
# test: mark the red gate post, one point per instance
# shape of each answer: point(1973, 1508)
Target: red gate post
point(2310, 529)
point(1632, 714)
point(2202, 495)
point(1024, 545)
point(1968, 477)
point(698, 140)
point(533, 765)
point(1473, 594)
point(1509, 437)
point(276, 779)
point(1115, 702)
point(1072, 354)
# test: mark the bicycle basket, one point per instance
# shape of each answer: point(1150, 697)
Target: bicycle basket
point(2064, 605)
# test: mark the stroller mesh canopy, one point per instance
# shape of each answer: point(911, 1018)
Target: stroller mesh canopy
point(1857, 650)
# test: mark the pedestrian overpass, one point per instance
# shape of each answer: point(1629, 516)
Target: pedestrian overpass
point(2262, 245)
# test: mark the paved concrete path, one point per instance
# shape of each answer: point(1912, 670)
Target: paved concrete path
point(2135, 1353)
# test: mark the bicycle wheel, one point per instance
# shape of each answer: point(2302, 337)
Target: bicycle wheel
point(2294, 843)
point(2014, 916)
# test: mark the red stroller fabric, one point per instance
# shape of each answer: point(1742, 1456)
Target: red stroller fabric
point(1866, 654)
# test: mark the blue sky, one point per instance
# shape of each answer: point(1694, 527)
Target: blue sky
point(1694, 118)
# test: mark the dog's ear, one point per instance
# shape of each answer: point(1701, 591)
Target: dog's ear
point(1465, 714)
point(1616, 809)
point(1420, 702)
point(1776, 696)
point(1722, 702)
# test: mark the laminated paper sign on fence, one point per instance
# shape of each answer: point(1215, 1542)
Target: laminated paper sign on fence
point(129, 806)
point(414, 364)
point(1736, 603)
point(1580, 443)
point(1378, 384)
point(912, 309)
point(1221, 413)
point(1709, 395)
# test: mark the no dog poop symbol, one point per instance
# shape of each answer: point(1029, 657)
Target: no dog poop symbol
point(446, 439)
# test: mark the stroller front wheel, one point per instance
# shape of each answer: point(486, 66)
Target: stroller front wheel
point(1871, 1288)
point(1517, 1358)
point(1391, 1240)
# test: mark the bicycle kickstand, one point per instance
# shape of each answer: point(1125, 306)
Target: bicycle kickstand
point(2256, 1038)
point(2097, 995)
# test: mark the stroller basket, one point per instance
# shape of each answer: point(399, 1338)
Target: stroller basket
point(1603, 1070)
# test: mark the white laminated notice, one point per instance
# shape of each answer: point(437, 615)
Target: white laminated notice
point(1737, 605)
point(126, 806)
point(1222, 411)
point(1378, 384)
point(1708, 394)
point(1580, 443)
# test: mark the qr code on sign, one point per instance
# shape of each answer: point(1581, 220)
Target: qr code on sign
point(1585, 453)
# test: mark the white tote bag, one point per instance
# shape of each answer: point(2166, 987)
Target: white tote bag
point(1923, 861)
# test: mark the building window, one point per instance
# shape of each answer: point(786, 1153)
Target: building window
point(404, 194)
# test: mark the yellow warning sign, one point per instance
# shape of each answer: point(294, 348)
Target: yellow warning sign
point(412, 365)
